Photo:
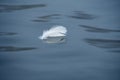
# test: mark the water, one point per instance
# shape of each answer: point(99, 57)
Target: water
point(91, 51)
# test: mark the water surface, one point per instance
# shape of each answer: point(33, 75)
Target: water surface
point(91, 50)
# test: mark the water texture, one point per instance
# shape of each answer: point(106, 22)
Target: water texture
point(91, 50)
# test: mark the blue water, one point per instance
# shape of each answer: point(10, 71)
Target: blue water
point(91, 51)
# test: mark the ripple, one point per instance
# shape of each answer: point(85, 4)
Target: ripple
point(82, 15)
point(47, 18)
point(110, 45)
point(10, 8)
point(99, 30)
point(104, 43)
point(7, 33)
point(13, 48)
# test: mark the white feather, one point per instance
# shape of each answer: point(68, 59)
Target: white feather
point(55, 31)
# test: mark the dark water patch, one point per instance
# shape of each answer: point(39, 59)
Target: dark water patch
point(82, 15)
point(10, 8)
point(104, 43)
point(9, 40)
point(40, 20)
point(7, 33)
point(6, 60)
point(50, 16)
point(96, 29)
point(115, 51)
point(47, 18)
point(13, 48)
point(67, 54)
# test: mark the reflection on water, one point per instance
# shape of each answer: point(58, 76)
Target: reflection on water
point(11, 40)
point(105, 43)
point(82, 15)
point(96, 29)
point(60, 39)
point(10, 8)
point(112, 45)
point(7, 33)
point(47, 18)
point(13, 48)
